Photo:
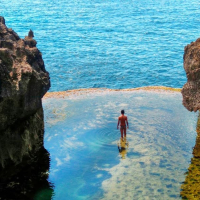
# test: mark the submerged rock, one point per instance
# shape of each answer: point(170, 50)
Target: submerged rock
point(191, 90)
point(190, 188)
point(23, 83)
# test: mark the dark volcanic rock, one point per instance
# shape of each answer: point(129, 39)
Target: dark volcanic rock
point(23, 78)
point(191, 90)
point(23, 82)
point(30, 34)
point(2, 20)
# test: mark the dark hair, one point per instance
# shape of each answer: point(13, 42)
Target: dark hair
point(122, 111)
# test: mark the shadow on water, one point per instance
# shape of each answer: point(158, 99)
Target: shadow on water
point(190, 188)
point(123, 147)
point(28, 179)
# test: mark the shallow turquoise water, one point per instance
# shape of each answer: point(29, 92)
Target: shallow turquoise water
point(83, 141)
point(112, 44)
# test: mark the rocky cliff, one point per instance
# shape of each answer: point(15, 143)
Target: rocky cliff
point(191, 100)
point(23, 82)
point(191, 90)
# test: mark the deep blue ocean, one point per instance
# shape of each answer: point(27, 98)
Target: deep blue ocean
point(112, 44)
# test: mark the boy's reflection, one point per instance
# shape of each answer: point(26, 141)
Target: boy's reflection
point(122, 147)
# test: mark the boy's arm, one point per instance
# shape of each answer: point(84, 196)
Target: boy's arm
point(127, 121)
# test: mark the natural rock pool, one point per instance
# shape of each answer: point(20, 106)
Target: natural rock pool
point(88, 159)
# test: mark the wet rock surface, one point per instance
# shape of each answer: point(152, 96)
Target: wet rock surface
point(29, 181)
point(191, 91)
point(23, 83)
point(190, 188)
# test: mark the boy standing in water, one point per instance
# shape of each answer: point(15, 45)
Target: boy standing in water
point(122, 121)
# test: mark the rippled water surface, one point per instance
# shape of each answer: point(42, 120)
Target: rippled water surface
point(88, 159)
point(112, 44)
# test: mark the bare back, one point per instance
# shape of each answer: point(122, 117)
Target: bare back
point(123, 120)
